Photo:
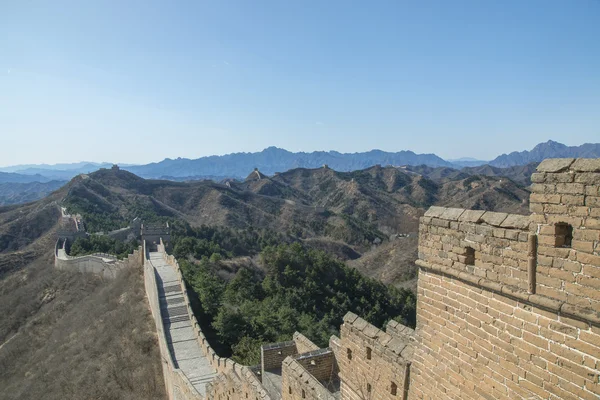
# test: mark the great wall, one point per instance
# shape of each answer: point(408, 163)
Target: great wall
point(508, 307)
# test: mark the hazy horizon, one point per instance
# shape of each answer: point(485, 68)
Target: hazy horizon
point(138, 82)
point(127, 163)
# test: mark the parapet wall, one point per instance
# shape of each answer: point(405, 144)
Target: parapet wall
point(498, 243)
point(303, 377)
point(565, 205)
point(550, 258)
point(272, 355)
point(508, 306)
point(373, 363)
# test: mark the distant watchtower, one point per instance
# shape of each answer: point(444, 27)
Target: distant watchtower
point(153, 232)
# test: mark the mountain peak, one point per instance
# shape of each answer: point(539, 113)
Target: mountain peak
point(549, 149)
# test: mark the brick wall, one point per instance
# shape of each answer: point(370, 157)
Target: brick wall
point(373, 364)
point(298, 383)
point(319, 363)
point(498, 240)
point(566, 192)
point(519, 318)
point(304, 344)
point(473, 344)
point(272, 355)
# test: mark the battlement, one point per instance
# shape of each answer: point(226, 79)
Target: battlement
point(550, 257)
point(509, 305)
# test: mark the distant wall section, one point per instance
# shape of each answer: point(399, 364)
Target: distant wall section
point(105, 265)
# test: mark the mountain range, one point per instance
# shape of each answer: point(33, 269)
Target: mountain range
point(273, 159)
point(549, 149)
point(22, 183)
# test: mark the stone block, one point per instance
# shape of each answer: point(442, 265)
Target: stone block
point(536, 208)
point(570, 188)
point(543, 188)
point(588, 178)
point(516, 221)
point(452, 214)
point(592, 190)
point(538, 177)
point(570, 199)
point(592, 201)
point(435, 211)
point(493, 218)
point(473, 216)
point(555, 164)
point(544, 198)
point(564, 177)
point(586, 165)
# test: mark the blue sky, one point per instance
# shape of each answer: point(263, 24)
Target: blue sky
point(138, 81)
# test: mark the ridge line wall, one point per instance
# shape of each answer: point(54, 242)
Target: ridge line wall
point(105, 265)
point(176, 383)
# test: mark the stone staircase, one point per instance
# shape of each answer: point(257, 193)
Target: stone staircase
point(179, 330)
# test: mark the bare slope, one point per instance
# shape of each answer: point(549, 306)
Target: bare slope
point(69, 335)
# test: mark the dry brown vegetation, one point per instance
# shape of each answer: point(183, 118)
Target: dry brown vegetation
point(392, 263)
point(66, 335)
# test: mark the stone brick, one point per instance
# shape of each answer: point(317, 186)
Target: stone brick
point(473, 216)
point(544, 188)
point(538, 177)
point(588, 178)
point(435, 211)
point(544, 198)
point(592, 201)
point(585, 258)
point(564, 177)
point(570, 188)
point(585, 246)
point(569, 199)
point(452, 214)
point(516, 221)
point(493, 218)
point(555, 164)
point(586, 165)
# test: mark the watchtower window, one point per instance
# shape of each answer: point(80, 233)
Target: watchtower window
point(564, 234)
point(349, 353)
point(303, 394)
point(289, 389)
point(368, 388)
point(469, 256)
point(394, 389)
point(368, 353)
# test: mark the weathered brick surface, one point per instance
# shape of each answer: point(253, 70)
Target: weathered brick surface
point(475, 344)
point(373, 364)
point(300, 379)
point(481, 333)
point(498, 240)
point(568, 275)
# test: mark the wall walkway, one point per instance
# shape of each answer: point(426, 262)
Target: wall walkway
point(181, 339)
